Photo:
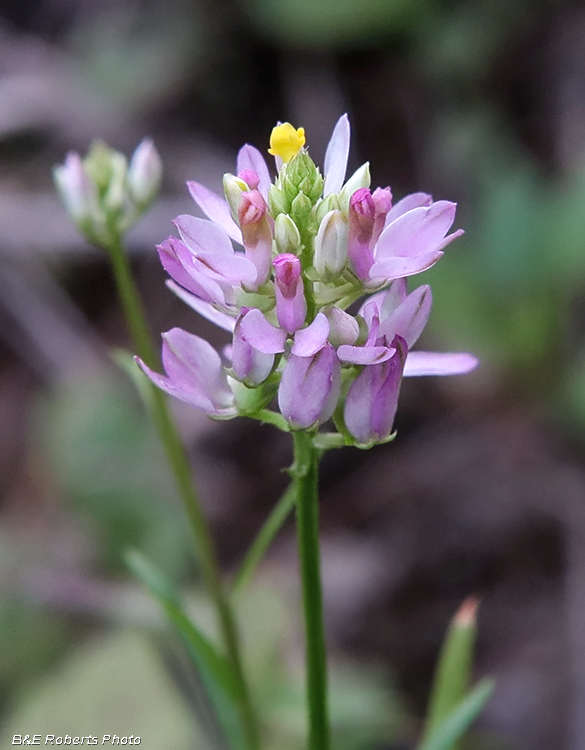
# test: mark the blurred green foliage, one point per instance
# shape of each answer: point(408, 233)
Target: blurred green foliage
point(105, 457)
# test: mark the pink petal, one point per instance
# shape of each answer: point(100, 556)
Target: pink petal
point(395, 268)
point(310, 340)
point(387, 300)
point(364, 355)
point(336, 157)
point(417, 232)
point(439, 363)
point(261, 334)
point(205, 309)
point(410, 317)
point(309, 388)
point(194, 373)
point(414, 200)
point(178, 262)
point(216, 208)
point(201, 235)
point(250, 158)
point(235, 269)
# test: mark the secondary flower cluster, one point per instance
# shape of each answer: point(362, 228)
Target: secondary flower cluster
point(312, 246)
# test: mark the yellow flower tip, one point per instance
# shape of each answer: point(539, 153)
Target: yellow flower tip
point(286, 142)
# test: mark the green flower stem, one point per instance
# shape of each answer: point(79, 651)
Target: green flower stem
point(179, 464)
point(264, 538)
point(305, 471)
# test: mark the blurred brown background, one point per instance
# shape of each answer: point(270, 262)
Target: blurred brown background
point(482, 493)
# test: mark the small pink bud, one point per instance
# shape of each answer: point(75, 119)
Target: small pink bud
point(250, 178)
point(291, 307)
point(256, 233)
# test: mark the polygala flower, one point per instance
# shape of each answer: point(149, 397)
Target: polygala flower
point(308, 245)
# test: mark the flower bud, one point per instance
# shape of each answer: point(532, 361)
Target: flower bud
point(291, 307)
point(279, 203)
point(116, 197)
point(250, 178)
point(361, 218)
point(300, 210)
point(343, 327)
point(250, 366)
point(372, 399)
point(256, 233)
point(360, 179)
point(286, 235)
point(144, 174)
point(309, 388)
point(331, 246)
point(301, 175)
point(76, 189)
point(233, 187)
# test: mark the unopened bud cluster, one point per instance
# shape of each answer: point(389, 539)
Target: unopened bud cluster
point(104, 194)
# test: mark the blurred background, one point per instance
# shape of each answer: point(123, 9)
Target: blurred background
point(483, 492)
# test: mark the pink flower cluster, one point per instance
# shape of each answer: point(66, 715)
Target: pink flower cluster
point(312, 246)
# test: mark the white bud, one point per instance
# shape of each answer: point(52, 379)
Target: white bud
point(116, 195)
point(343, 327)
point(144, 174)
point(233, 188)
point(77, 190)
point(361, 178)
point(331, 246)
point(286, 235)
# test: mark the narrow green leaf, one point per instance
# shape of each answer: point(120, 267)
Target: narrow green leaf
point(453, 672)
point(460, 719)
point(264, 539)
point(214, 669)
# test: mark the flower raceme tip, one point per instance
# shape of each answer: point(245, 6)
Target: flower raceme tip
point(312, 245)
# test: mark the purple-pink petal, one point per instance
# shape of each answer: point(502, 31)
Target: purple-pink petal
point(364, 355)
point(216, 208)
point(439, 363)
point(250, 158)
point(261, 334)
point(417, 232)
point(194, 373)
point(410, 317)
point(310, 340)
point(206, 309)
point(202, 235)
point(336, 157)
point(372, 399)
point(309, 388)
point(414, 200)
point(395, 268)
point(179, 262)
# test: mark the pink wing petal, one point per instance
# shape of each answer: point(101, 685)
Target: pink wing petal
point(439, 363)
point(410, 317)
point(250, 158)
point(261, 334)
point(201, 235)
point(395, 268)
point(414, 200)
point(416, 232)
point(205, 309)
point(336, 157)
point(216, 208)
point(310, 340)
point(364, 355)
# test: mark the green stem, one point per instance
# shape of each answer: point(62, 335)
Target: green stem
point(305, 471)
point(180, 467)
point(264, 538)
